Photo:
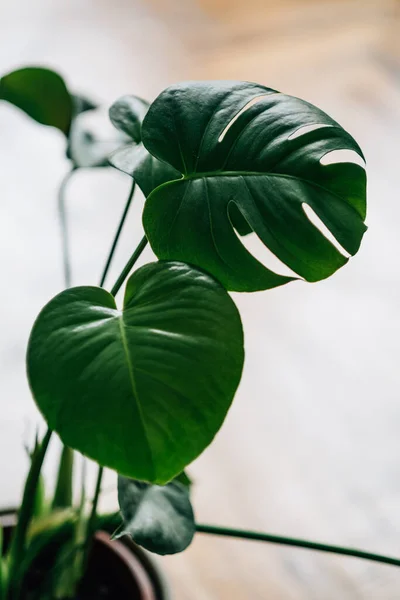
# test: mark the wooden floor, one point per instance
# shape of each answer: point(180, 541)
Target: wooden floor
point(311, 447)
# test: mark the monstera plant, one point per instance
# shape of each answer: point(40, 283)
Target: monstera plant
point(142, 385)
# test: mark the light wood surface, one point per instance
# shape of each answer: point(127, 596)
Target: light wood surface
point(311, 446)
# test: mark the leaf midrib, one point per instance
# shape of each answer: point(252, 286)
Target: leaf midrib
point(125, 347)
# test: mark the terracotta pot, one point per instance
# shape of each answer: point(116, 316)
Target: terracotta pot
point(117, 570)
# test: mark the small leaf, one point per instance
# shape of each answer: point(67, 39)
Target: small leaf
point(184, 479)
point(159, 518)
point(90, 143)
point(143, 390)
point(127, 115)
point(41, 94)
point(148, 172)
point(82, 104)
point(241, 147)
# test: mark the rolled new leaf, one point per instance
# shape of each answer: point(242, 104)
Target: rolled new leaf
point(145, 389)
point(159, 518)
point(243, 147)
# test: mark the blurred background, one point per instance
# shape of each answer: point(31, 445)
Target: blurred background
point(311, 446)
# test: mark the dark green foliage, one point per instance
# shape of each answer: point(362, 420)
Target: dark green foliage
point(41, 94)
point(239, 144)
point(127, 115)
point(159, 518)
point(143, 390)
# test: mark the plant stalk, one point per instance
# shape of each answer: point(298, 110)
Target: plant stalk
point(128, 267)
point(118, 234)
point(286, 541)
point(91, 524)
point(62, 213)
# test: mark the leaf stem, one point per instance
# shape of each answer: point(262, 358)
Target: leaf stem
point(126, 270)
point(286, 541)
point(25, 513)
point(62, 214)
point(117, 235)
point(93, 514)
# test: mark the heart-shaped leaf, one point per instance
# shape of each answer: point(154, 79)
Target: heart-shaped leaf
point(41, 94)
point(143, 390)
point(242, 145)
point(159, 518)
point(127, 115)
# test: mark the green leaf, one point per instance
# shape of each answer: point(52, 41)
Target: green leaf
point(184, 479)
point(127, 115)
point(51, 524)
point(143, 390)
point(89, 146)
point(82, 104)
point(41, 94)
point(40, 505)
point(242, 145)
point(159, 518)
point(238, 221)
point(53, 529)
point(148, 172)
point(63, 495)
point(2, 570)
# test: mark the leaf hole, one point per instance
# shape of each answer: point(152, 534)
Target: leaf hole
point(320, 225)
point(342, 156)
point(263, 254)
point(306, 129)
point(236, 117)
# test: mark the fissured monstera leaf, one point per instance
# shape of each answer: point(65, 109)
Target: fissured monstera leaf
point(159, 518)
point(127, 115)
point(143, 390)
point(243, 146)
point(41, 94)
